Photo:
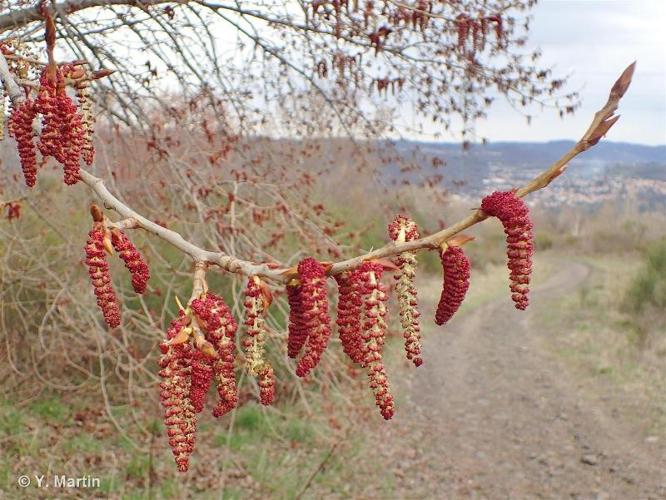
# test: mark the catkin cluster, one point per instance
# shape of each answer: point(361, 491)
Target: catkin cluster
point(66, 128)
point(102, 241)
point(198, 349)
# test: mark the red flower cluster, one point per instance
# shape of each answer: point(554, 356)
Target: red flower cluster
point(478, 29)
point(202, 379)
point(215, 319)
point(257, 299)
point(98, 269)
point(366, 283)
point(20, 127)
point(404, 229)
point(101, 240)
point(456, 282)
point(298, 332)
point(515, 217)
point(179, 413)
point(349, 318)
point(313, 313)
point(266, 382)
point(133, 260)
point(188, 372)
point(62, 128)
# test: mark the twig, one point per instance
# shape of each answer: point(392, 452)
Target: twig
point(603, 120)
point(317, 470)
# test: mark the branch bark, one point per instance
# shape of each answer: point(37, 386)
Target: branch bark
point(21, 17)
point(603, 120)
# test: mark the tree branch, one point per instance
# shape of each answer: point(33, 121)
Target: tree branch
point(21, 17)
point(603, 120)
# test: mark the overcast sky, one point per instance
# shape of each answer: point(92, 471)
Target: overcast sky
point(595, 40)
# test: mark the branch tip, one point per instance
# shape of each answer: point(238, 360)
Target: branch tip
point(622, 84)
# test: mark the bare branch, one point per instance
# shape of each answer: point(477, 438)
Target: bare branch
point(602, 122)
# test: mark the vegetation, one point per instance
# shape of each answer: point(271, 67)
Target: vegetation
point(236, 232)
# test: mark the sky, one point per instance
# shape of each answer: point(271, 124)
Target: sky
point(594, 40)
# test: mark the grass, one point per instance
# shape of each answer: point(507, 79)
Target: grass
point(645, 297)
point(597, 337)
point(267, 453)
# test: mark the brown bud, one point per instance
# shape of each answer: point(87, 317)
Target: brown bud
point(96, 213)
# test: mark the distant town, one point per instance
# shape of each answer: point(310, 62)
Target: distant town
point(609, 172)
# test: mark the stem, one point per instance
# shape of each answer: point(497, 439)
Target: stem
point(603, 120)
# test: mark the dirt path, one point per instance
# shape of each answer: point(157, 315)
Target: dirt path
point(492, 415)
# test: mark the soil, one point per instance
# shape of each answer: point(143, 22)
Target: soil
point(493, 414)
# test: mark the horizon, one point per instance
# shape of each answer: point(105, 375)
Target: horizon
point(548, 141)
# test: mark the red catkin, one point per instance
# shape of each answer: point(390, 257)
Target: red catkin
point(219, 326)
point(456, 267)
point(20, 126)
point(134, 262)
point(314, 312)
point(514, 215)
point(367, 284)
point(202, 379)
point(404, 229)
point(98, 269)
point(175, 390)
point(82, 87)
point(349, 318)
point(266, 385)
point(50, 143)
point(255, 327)
point(298, 332)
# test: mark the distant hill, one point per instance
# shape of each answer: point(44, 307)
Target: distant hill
point(502, 165)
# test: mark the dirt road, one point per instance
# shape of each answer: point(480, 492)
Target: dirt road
point(493, 415)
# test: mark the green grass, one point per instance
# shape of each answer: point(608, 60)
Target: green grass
point(598, 338)
point(648, 287)
point(50, 409)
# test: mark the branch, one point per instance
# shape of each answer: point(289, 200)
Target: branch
point(19, 18)
point(603, 120)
